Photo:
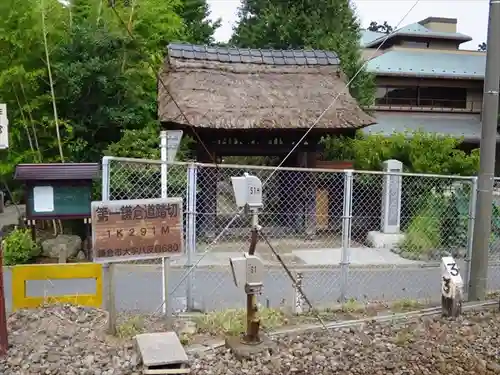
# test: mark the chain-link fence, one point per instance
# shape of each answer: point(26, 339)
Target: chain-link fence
point(350, 234)
point(494, 248)
point(405, 223)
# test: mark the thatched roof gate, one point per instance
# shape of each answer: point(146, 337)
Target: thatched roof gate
point(246, 89)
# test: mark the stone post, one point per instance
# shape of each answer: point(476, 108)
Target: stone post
point(391, 198)
point(389, 235)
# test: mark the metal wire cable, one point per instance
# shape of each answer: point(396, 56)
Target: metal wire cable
point(292, 278)
point(210, 246)
point(160, 80)
point(346, 87)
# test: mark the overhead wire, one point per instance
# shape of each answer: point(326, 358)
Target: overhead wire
point(165, 87)
point(295, 147)
point(298, 143)
point(294, 281)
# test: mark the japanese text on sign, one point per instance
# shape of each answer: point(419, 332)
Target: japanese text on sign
point(137, 229)
point(139, 212)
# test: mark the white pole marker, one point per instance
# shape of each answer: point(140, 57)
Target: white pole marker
point(451, 287)
point(298, 300)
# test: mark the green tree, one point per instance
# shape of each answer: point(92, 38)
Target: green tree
point(104, 89)
point(102, 84)
point(23, 72)
point(198, 27)
point(320, 24)
point(95, 94)
point(381, 28)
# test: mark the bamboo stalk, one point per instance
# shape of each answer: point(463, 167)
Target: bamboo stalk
point(70, 15)
point(129, 27)
point(99, 12)
point(32, 122)
point(51, 82)
point(25, 123)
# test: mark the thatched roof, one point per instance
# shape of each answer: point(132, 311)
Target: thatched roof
point(230, 88)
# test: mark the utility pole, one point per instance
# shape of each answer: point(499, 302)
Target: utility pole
point(482, 227)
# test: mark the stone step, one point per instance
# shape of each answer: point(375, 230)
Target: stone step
point(162, 353)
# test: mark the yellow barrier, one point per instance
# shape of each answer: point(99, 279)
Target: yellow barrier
point(22, 274)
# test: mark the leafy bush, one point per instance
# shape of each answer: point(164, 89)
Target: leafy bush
point(145, 144)
point(455, 221)
point(420, 152)
point(441, 223)
point(442, 218)
point(424, 230)
point(19, 247)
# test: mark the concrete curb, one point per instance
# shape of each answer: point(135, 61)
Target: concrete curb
point(297, 268)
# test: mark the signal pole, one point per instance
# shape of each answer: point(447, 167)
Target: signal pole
point(482, 227)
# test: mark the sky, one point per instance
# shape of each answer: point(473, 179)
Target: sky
point(472, 15)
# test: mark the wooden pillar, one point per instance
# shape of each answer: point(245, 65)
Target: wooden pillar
point(206, 196)
point(289, 197)
point(300, 190)
point(310, 198)
point(307, 198)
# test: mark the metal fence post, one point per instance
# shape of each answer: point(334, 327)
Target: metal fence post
point(105, 188)
point(346, 234)
point(470, 231)
point(4, 341)
point(191, 230)
point(164, 166)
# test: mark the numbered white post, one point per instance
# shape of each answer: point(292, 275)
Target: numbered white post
point(451, 287)
point(298, 300)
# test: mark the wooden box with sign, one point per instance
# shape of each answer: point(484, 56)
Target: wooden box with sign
point(57, 191)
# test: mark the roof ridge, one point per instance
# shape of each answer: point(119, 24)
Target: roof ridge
point(462, 52)
point(427, 33)
point(230, 54)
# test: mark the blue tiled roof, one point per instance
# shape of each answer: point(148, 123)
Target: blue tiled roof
point(429, 64)
point(455, 125)
point(417, 30)
point(368, 36)
point(253, 56)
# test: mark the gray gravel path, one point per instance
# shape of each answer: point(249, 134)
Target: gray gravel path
point(67, 340)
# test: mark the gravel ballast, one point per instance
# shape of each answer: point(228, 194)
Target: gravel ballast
point(71, 340)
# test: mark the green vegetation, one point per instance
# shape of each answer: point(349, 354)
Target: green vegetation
point(77, 86)
point(19, 247)
point(406, 304)
point(420, 152)
point(329, 25)
point(233, 321)
point(131, 327)
point(434, 211)
point(424, 230)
